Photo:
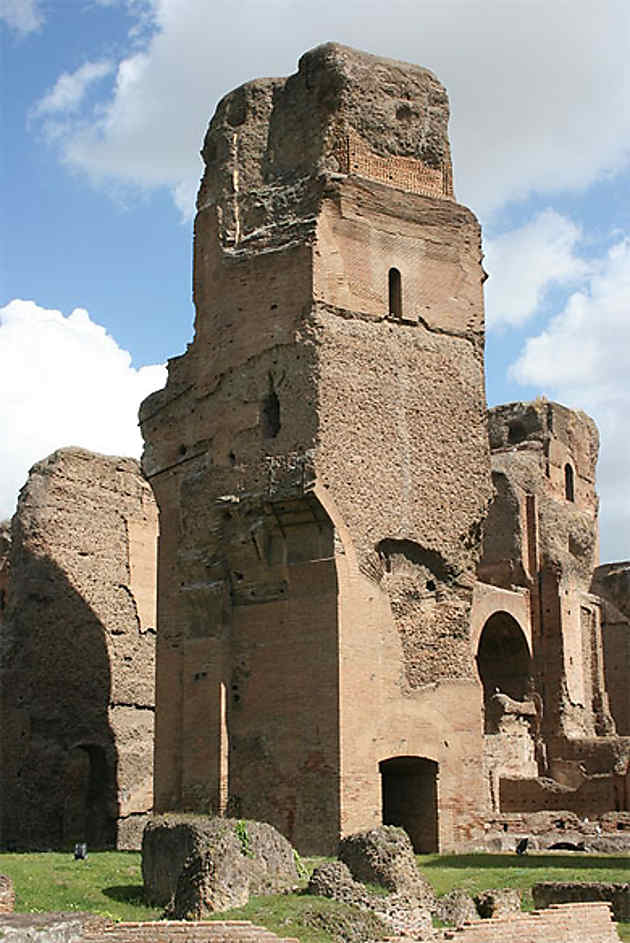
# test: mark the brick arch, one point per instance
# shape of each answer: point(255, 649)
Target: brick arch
point(488, 600)
point(504, 663)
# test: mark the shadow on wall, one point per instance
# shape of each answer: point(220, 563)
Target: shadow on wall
point(59, 759)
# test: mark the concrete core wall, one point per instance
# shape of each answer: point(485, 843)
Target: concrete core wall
point(78, 635)
point(319, 530)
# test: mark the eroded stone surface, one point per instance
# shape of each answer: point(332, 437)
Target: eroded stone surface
point(196, 865)
point(402, 913)
point(320, 460)
point(385, 856)
point(498, 903)
point(456, 908)
point(7, 894)
point(78, 655)
point(546, 893)
point(51, 927)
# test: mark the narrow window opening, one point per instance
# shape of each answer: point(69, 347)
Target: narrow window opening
point(270, 412)
point(395, 293)
point(271, 415)
point(569, 489)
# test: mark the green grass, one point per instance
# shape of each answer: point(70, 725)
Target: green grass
point(110, 883)
point(476, 873)
point(289, 915)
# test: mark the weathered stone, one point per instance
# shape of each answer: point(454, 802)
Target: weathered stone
point(546, 893)
point(50, 927)
point(455, 908)
point(320, 459)
point(7, 895)
point(403, 913)
point(334, 880)
point(196, 865)
point(348, 925)
point(78, 639)
point(497, 903)
point(324, 466)
point(385, 856)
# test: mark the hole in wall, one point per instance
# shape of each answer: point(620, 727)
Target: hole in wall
point(516, 433)
point(395, 293)
point(270, 412)
point(569, 487)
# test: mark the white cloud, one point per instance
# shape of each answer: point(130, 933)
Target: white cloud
point(525, 263)
point(69, 90)
point(581, 359)
point(539, 92)
point(21, 15)
point(63, 381)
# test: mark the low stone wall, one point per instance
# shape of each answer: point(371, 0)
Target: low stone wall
point(49, 927)
point(605, 834)
point(556, 892)
point(561, 923)
point(594, 797)
point(185, 931)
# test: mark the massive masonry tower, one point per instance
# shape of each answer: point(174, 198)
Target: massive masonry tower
point(320, 460)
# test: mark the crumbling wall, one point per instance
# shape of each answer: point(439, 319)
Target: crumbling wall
point(612, 582)
point(78, 641)
point(543, 459)
point(320, 460)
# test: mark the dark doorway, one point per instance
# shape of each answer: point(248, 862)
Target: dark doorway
point(409, 794)
point(503, 662)
point(89, 815)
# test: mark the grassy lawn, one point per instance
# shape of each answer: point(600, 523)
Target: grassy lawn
point(475, 873)
point(110, 883)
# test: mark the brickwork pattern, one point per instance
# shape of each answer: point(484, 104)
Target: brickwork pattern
point(185, 931)
point(405, 173)
point(561, 923)
point(548, 893)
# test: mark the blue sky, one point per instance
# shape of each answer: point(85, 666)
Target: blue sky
point(104, 110)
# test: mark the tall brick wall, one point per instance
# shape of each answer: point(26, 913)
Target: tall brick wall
point(78, 655)
point(321, 466)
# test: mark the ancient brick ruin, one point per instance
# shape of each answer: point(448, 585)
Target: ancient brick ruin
point(320, 461)
point(78, 641)
point(542, 636)
point(341, 641)
point(379, 602)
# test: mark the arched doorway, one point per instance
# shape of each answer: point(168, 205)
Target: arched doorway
point(503, 662)
point(409, 787)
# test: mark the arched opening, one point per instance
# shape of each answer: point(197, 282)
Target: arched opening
point(88, 813)
point(569, 488)
point(395, 293)
point(503, 662)
point(409, 796)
